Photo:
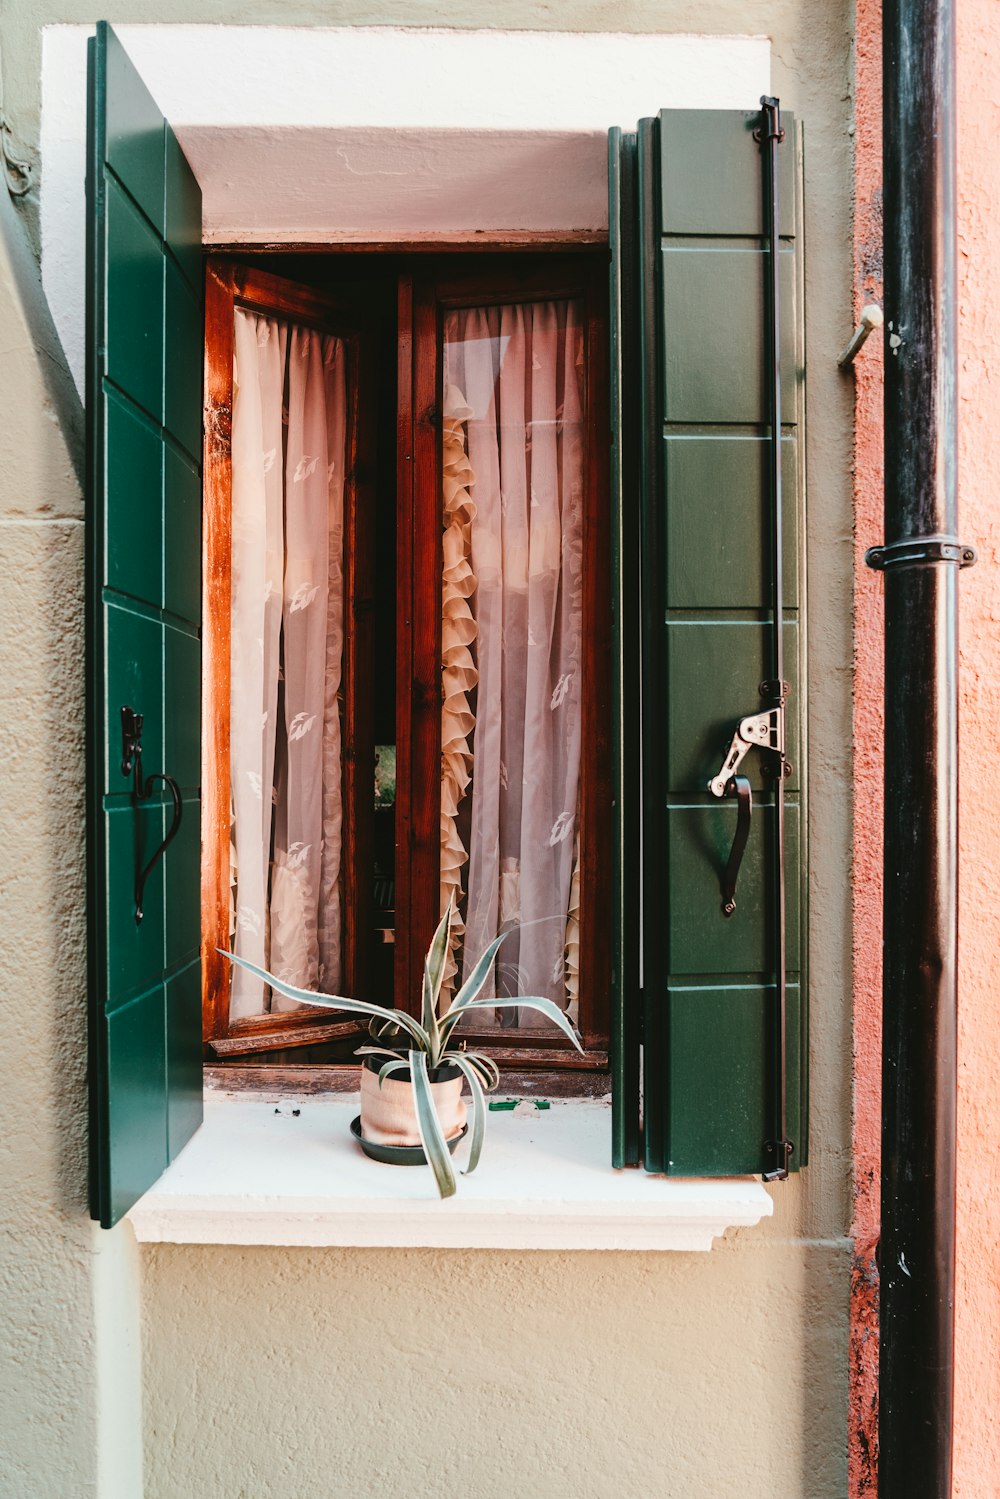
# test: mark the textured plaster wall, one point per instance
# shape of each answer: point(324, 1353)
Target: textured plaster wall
point(372, 1372)
point(866, 901)
point(579, 1376)
point(47, 1357)
point(977, 1332)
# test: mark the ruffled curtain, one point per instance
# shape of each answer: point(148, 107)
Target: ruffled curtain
point(458, 670)
point(516, 371)
point(288, 457)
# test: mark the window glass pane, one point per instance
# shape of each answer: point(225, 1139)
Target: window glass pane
point(288, 460)
point(512, 454)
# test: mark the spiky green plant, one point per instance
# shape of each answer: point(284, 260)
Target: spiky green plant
point(428, 1043)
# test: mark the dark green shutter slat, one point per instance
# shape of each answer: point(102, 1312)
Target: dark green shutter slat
point(183, 1055)
point(626, 1143)
point(131, 127)
point(144, 366)
point(698, 347)
point(714, 661)
point(732, 574)
point(182, 534)
point(720, 1097)
point(133, 459)
point(710, 179)
point(652, 893)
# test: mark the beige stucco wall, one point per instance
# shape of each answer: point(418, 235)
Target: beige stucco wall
point(388, 1373)
point(45, 1263)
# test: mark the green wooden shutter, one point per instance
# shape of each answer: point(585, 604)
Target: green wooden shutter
point(695, 348)
point(626, 432)
point(144, 377)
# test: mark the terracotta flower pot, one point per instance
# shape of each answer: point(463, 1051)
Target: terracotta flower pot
point(388, 1115)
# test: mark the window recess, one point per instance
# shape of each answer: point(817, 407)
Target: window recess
point(693, 270)
point(472, 616)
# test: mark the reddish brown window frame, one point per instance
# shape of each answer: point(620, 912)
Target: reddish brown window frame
point(427, 287)
point(230, 284)
point(424, 298)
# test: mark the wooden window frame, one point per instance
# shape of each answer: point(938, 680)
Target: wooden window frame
point(427, 287)
point(424, 298)
point(230, 284)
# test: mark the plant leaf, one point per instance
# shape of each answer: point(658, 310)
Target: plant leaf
point(487, 1066)
point(398, 1064)
point(429, 1125)
point(376, 1051)
point(532, 1002)
point(434, 966)
point(428, 1014)
point(478, 1109)
point(335, 1001)
point(381, 1030)
point(477, 978)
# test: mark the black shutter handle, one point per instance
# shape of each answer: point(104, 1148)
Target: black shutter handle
point(142, 790)
point(739, 787)
point(143, 876)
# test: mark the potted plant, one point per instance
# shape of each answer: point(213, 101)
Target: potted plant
point(423, 1063)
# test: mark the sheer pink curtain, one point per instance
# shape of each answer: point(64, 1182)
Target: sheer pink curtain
point(288, 447)
point(518, 370)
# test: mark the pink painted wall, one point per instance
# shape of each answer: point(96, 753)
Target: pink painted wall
point(977, 1385)
point(867, 881)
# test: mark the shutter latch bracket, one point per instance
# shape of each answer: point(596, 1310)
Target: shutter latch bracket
point(757, 731)
point(783, 1151)
point(763, 731)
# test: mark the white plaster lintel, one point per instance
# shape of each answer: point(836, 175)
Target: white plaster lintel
point(378, 134)
point(256, 1175)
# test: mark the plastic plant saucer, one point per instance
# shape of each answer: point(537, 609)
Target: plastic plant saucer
point(398, 1155)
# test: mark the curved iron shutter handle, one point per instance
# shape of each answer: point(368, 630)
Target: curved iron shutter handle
point(740, 787)
point(143, 876)
point(142, 790)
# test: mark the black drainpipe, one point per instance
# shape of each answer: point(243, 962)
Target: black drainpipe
point(921, 561)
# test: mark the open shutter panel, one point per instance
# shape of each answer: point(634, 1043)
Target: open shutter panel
point(699, 347)
point(144, 373)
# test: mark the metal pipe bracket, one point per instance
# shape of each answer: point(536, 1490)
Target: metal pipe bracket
point(920, 551)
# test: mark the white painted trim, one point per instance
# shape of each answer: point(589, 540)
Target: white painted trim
point(378, 133)
point(117, 1299)
point(395, 78)
point(256, 1174)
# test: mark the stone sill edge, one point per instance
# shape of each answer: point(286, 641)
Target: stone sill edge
point(360, 1227)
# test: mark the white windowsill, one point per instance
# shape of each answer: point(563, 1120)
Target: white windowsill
point(254, 1174)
